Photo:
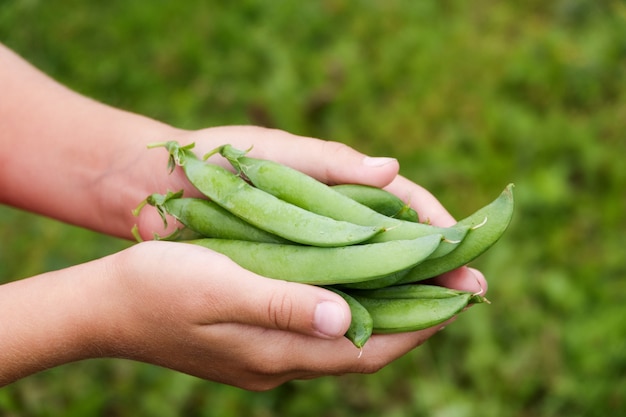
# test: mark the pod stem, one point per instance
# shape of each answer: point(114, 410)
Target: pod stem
point(178, 153)
point(478, 299)
point(135, 232)
point(232, 154)
point(138, 209)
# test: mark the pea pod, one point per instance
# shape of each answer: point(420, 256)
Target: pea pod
point(396, 315)
point(262, 209)
point(379, 200)
point(416, 291)
point(486, 225)
point(361, 325)
point(208, 219)
point(325, 266)
point(305, 191)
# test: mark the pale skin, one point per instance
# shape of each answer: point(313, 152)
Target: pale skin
point(173, 305)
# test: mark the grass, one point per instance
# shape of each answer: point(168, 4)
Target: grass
point(467, 95)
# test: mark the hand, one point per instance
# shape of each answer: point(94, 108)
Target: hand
point(187, 308)
point(329, 162)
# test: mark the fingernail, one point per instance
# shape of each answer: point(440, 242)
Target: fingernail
point(479, 289)
point(329, 319)
point(377, 161)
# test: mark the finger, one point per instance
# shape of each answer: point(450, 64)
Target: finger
point(289, 306)
point(379, 351)
point(464, 279)
point(328, 161)
point(427, 206)
point(293, 356)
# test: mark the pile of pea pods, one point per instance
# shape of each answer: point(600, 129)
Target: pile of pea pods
point(361, 242)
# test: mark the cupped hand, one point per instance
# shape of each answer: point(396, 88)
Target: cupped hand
point(328, 161)
point(189, 309)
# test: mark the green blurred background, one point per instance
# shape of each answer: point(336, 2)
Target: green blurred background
point(467, 95)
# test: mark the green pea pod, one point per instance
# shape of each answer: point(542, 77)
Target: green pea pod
point(361, 325)
point(396, 315)
point(305, 191)
point(325, 266)
point(416, 291)
point(486, 225)
point(379, 200)
point(208, 219)
point(260, 208)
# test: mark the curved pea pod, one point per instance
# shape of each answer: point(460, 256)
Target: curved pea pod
point(404, 311)
point(304, 191)
point(487, 225)
point(361, 325)
point(417, 291)
point(379, 200)
point(208, 219)
point(324, 266)
point(262, 209)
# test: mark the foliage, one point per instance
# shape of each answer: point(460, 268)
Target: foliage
point(467, 95)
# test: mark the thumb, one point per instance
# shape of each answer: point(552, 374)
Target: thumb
point(237, 295)
point(206, 288)
point(289, 306)
point(328, 161)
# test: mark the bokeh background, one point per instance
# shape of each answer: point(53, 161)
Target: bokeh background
point(469, 96)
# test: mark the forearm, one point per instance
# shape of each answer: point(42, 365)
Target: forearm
point(69, 157)
point(51, 319)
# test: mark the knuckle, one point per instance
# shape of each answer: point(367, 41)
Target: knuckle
point(373, 366)
point(332, 147)
point(369, 365)
point(267, 368)
point(280, 311)
point(338, 151)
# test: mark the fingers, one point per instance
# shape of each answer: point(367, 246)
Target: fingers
point(328, 161)
point(432, 211)
point(311, 358)
point(271, 357)
point(427, 206)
